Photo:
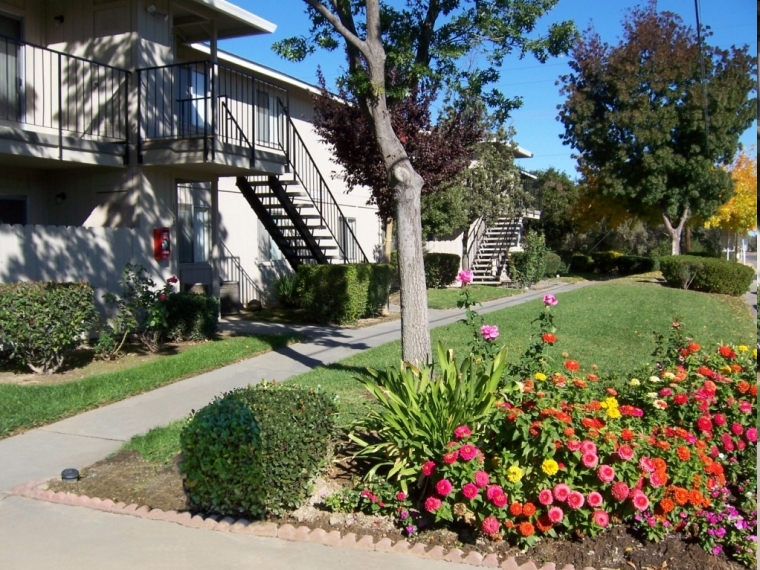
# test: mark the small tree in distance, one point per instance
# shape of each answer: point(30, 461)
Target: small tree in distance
point(635, 114)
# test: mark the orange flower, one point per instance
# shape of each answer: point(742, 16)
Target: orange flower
point(696, 498)
point(592, 377)
point(509, 524)
point(659, 464)
point(549, 338)
point(593, 433)
point(667, 505)
point(529, 509)
point(694, 347)
point(736, 368)
point(594, 406)
point(696, 481)
point(701, 444)
point(753, 390)
point(743, 387)
point(664, 445)
point(572, 365)
point(683, 453)
point(526, 529)
point(516, 509)
point(579, 384)
point(626, 434)
point(681, 496)
point(568, 432)
point(528, 386)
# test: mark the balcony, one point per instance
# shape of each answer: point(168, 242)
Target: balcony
point(211, 118)
point(59, 110)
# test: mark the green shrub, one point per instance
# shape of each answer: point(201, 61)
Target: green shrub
point(342, 293)
point(706, 274)
point(40, 321)
point(256, 450)
point(633, 264)
point(606, 261)
point(554, 265)
point(581, 263)
point(529, 266)
point(440, 269)
point(287, 294)
point(191, 317)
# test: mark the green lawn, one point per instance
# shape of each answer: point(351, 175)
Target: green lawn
point(447, 298)
point(608, 324)
point(24, 407)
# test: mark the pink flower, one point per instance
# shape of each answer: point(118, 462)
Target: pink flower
point(172, 279)
point(605, 473)
point(625, 452)
point(489, 332)
point(573, 444)
point(470, 491)
point(492, 491)
point(595, 499)
point(740, 445)
point(556, 515)
point(428, 468)
point(601, 518)
point(751, 434)
point(620, 491)
point(545, 497)
point(490, 525)
point(737, 428)
point(719, 419)
point(550, 300)
point(665, 392)
point(656, 479)
point(575, 500)
point(401, 496)
point(432, 504)
point(588, 447)
point(443, 487)
point(590, 460)
point(482, 479)
point(646, 465)
point(745, 407)
point(499, 500)
point(468, 452)
point(462, 431)
point(640, 501)
point(450, 457)
point(162, 297)
point(464, 277)
point(561, 491)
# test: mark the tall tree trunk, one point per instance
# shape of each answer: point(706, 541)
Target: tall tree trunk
point(674, 231)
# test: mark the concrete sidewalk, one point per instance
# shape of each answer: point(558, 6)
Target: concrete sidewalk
point(83, 439)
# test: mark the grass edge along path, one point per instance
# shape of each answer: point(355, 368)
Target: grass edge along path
point(25, 407)
point(447, 298)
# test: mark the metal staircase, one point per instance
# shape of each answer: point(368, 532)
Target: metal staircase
point(493, 248)
point(299, 211)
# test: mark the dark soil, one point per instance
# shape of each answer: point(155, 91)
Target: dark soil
point(128, 478)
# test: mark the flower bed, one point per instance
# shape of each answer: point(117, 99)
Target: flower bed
point(564, 452)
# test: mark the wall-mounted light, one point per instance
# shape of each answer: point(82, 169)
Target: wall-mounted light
point(155, 13)
point(60, 197)
point(58, 19)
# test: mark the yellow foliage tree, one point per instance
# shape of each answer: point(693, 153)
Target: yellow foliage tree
point(739, 214)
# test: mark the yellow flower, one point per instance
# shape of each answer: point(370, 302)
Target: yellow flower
point(754, 353)
point(611, 403)
point(725, 369)
point(613, 413)
point(540, 376)
point(669, 375)
point(550, 467)
point(634, 382)
point(514, 474)
point(742, 348)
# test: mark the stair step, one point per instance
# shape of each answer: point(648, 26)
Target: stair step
point(259, 183)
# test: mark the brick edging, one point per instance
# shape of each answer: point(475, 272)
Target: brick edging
point(39, 490)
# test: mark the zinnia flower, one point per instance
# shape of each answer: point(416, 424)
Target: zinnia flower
point(620, 491)
point(432, 504)
point(550, 300)
point(572, 365)
point(575, 500)
point(625, 452)
point(590, 460)
point(545, 497)
point(640, 501)
point(556, 515)
point(514, 474)
point(595, 499)
point(588, 447)
point(680, 399)
point(482, 479)
point(443, 487)
point(561, 491)
point(737, 428)
point(490, 525)
point(726, 352)
point(468, 452)
point(751, 434)
point(719, 419)
point(605, 473)
point(549, 338)
point(499, 500)
point(489, 332)
point(658, 479)
point(526, 529)
point(601, 518)
point(450, 457)
point(461, 432)
point(646, 465)
point(428, 468)
point(515, 509)
point(704, 424)
point(470, 491)
point(573, 445)
point(464, 277)
point(550, 467)
point(492, 491)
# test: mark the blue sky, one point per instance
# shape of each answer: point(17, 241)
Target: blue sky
point(733, 22)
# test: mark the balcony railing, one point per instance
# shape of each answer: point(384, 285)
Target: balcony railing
point(56, 93)
point(181, 102)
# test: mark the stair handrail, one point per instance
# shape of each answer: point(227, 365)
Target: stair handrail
point(241, 133)
point(247, 279)
point(477, 234)
point(296, 139)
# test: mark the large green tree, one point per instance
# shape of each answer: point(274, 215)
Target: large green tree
point(421, 43)
point(559, 195)
point(635, 112)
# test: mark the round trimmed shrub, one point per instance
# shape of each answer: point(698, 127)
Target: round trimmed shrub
point(709, 275)
point(256, 450)
point(554, 265)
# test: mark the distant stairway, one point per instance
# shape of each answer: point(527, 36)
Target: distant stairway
point(493, 249)
point(299, 211)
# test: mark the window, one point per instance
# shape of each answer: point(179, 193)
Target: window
point(192, 103)
point(13, 210)
point(348, 241)
point(263, 115)
point(193, 222)
point(11, 70)
point(268, 250)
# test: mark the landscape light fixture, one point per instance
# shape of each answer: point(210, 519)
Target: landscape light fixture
point(69, 475)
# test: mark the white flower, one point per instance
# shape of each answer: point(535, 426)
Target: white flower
point(654, 379)
point(653, 395)
point(722, 456)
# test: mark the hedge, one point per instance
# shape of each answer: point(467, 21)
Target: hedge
point(191, 317)
point(342, 294)
point(440, 269)
point(40, 321)
point(554, 265)
point(710, 275)
point(633, 264)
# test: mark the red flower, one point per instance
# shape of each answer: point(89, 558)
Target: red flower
point(572, 365)
point(549, 338)
point(726, 352)
point(704, 424)
point(680, 399)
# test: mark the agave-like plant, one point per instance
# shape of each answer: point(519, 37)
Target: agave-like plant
point(417, 410)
